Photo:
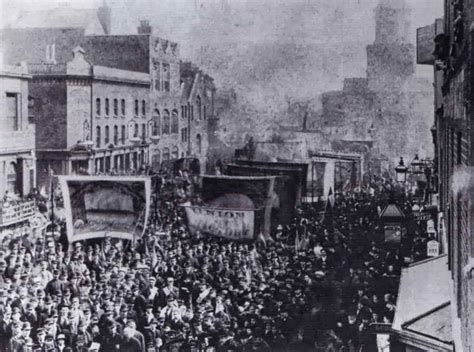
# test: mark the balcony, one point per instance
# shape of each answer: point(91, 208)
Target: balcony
point(17, 141)
point(16, 212)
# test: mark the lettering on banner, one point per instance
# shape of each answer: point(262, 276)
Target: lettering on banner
point(232, 224)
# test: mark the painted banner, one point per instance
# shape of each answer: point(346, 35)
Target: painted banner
point(287, 188)
point(105, 206)
point(234, 224)
point(258, 189)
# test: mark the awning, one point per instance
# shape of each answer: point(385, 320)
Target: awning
point(423, 314)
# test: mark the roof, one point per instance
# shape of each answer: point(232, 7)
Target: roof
point(392, 211)
point(61, 17)
point(423, 287)
point(436, 323)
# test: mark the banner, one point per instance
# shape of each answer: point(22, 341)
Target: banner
point(287, 188)
point(105, 206)
point(258, 189)
point(233, 224)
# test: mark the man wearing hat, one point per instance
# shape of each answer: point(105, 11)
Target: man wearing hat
point(40, 340)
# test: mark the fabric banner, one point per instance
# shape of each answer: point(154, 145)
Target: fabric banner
point(258, 189)
point(105, 206)
point(287, 188)
point(234, 224)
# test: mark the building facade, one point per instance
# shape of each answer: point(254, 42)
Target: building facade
point(197, 112)
point(17, 134)
point(172, 110)
point(452, 48)
point(90, 118)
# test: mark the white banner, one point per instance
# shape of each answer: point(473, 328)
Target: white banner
point(233, 224)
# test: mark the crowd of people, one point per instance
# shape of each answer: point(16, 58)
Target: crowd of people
point(313, 285)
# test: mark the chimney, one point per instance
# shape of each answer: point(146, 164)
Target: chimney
point(144, 27)
point(104, 14)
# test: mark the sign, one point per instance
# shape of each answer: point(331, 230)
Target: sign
point(432, 248)
point(430, 226)
point(105, 206)
point(422, 217)
point(234, 224)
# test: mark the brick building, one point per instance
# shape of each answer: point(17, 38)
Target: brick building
point(448, 45)
point(197, 111)
point(17, 134)
point(454, 60)
point(170, 101)
point(90, 118)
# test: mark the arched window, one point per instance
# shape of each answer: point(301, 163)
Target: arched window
point(156, 123)
point(143, 130)
point(175, 154)
point(107, 107)
point(137, 108)
point(107, 135)
point(204, 114)
point(143, 107)
point(175, 122)
point(116, 107)
point(182, 112)
point(199, 143)
point(166, 122)
point(124, 129)
point(166, 154)
point(116, 134)
point(199, 107)
point(98, 108)
point(97, 136)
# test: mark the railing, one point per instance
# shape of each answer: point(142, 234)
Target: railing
point(47, 69)
point(15, 213)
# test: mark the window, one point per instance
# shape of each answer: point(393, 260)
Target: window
point(182, 112)
point(124, 132)
point(192, 112)
point(175, 154)
point(166, 122)
point(156, 75)
point(156, 123)
point(135, 132)
point(97, 107)
point(204, 115)
point(175, 122)
point(12, 111)
point(122, 103)
point(107, 135)
point(199, 107)
point(116, 135)
point(166, 154)
point(459, 148)
point(107, 106)
point(199, 143)
point(136, 108)
point(155, 159)
point(12, 175)
point(143, 108)
point(143, 131)
point(115, 107)
point(97, 137)
point(184, 134)
point(166, 77)
point(51, 52)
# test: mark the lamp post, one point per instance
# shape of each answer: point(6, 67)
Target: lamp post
point(401, 171)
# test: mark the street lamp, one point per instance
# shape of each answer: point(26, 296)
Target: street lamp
point(401, 171)
point(417, 165)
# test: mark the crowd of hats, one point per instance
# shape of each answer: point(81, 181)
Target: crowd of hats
point(183, 292)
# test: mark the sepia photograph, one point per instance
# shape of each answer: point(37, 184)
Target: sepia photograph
point(236, 175)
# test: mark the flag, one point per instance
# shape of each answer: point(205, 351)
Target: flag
point(331, 197)
point(328, 217)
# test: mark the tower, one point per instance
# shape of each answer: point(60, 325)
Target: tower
point(391, 58)
point(104, 14)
